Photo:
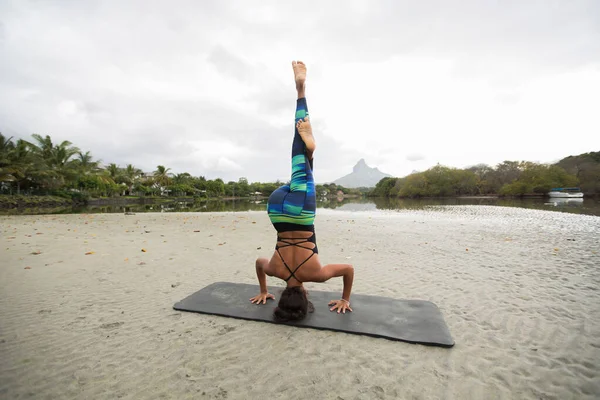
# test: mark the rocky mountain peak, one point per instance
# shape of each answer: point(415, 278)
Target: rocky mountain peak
point(360, 165)
point(362, 176)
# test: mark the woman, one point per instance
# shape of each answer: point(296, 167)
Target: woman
point(291, 209)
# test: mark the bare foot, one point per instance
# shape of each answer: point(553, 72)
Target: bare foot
point(305, 131)
point(299, 73)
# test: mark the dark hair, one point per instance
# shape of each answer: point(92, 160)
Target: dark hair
point(293, 305)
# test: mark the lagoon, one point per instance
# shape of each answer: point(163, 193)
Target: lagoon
point(587, 206)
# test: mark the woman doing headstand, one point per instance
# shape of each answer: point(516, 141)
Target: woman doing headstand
point(291, 209)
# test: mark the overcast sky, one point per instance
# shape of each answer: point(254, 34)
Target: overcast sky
point(206, 87)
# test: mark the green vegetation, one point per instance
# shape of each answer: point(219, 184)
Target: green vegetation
point(33, 201)
point(510, 178)
point(31, 171)
point(586, 168)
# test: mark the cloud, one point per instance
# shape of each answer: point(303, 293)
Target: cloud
point(207, 87)
point(231, 65)
point(415, 157)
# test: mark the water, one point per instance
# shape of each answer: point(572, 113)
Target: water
point(587, 206)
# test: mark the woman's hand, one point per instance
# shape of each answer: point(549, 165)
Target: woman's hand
point(262, 297)
point(340, 305)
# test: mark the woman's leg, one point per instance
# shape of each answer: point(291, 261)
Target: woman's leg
point(296, 203)
point(302, 184)
point(302, 198)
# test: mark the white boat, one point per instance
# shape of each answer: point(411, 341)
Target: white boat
point(565, 193)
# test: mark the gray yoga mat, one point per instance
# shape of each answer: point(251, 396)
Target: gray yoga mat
point(412, 321)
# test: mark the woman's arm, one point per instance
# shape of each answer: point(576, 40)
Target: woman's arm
point(261, 275)
point(262, 270)
point(334, 270)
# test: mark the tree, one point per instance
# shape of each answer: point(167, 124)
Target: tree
point(586, 167)
point(162, 176)
point(131, 176)
point(7, 148)
point(538, 179)
point(183, 178)
point(114, 172)
point(383, 187)
point(579, 164)
point(414, 186)
point(86, 165)
point(465, 182)
point(56, 159)
point(26, 168)
point(242, 188)
point(484, 181)
point(438, 182)
point(395, 190)
point(215, 188)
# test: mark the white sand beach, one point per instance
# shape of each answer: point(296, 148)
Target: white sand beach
point(85, 313)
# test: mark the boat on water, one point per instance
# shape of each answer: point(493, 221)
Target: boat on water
point(574, 192)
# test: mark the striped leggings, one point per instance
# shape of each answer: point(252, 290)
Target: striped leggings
point(296, 203)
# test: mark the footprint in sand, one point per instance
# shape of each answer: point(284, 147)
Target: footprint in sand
point(225, 329)
point(111, 325)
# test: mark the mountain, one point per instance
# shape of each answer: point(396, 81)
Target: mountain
point(362, 176)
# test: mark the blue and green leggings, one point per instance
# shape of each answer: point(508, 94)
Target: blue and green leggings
point(296, 203)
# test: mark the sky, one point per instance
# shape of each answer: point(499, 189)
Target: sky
point(206, 87)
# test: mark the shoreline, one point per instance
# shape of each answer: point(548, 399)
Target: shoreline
point(28, 201)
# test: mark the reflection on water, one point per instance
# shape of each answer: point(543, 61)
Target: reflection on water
point(564, 202)
point(580, 206)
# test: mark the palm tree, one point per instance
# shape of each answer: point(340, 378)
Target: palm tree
point(44, 146)
point(86, 165)
point(56, 159)
point(162, 175)
point(27, 167)
point(131, 175)
point(6, 153)
point(89, 173)
point(181, 179)
point(18, 164)
point(114, 172)
point(62, 162)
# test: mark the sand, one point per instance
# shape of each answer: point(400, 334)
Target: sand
point(519, 290)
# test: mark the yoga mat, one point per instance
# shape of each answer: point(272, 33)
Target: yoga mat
point(412, 321)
